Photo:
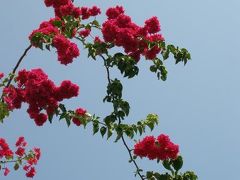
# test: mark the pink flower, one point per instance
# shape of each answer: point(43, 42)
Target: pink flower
point(152, 25)
point(1, 75)
point(79, 112)
point(85, 12)
point(45, 28)
point(35, 89)
point(31, 173)
point(161, 148)
point(21, 142)
point(112, 13)
point(20, 151)
point(84, 33)
point(94, 11)
point(66, 50)
point(66, 90)
point(6, 171)
point(97, 40)
point(37, 153)
point(5, 151)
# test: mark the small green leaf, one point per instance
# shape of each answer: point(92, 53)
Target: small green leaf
point(150, 125)
point(149, 174)
point(140, 129)
point(62, 107)
point(167, 164)
point(50, 117)
point(118, 137)
point(16, 166)
point(47, 47)
point(103, 130)
point(177, 163)
point(95, 127)
point(68, 119)
point(109, 134)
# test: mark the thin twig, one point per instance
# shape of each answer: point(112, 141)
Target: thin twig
point(12, 161)
point(107, 68)
point(131, 158)
point(18, 63)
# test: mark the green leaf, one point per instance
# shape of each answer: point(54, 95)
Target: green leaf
point(129, 132)
point(96, 23)
point(62, 107)
point(4, 112)
point(163, 176)
point(135, 128)
point(177, 163)
point(68, 119)
point(16, 166)
point(50, 117)
point(189, 175)
point(57, 23)
point(149, 174)
point(125, 107)
point(95, 127)
point(151, 125)
point(118, 137)
point(167, 164)
point(109, 134)
point(103, 130)
point(153, 68)
point(62, 116)
point(140, 129)
point(48, 47)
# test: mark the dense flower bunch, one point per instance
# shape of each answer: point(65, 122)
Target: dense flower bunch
point(56, 31)
point(66, 49)
point(34, 88)
point(66, 8)
point(120, 30)
point(20, 157)
point(156, 148)
point(49, 33)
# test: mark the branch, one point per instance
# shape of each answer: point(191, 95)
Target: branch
point(119, 122)
point(18, 63)
point(107, 68)
point(131, 158)
point(12, 161)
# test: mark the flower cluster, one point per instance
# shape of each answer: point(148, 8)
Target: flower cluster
point(49, 33)
point(34, 88)
point(66, 49)
point(46, 28)
point(66, 8)
point(156, 148)
point(27, 159)
point(80, 112)
point(56, 31)
point(120, 30)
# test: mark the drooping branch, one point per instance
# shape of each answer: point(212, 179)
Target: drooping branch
point(119, 122)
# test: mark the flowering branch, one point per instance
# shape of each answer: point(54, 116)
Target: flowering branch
point(20, 157)
point(43, 96)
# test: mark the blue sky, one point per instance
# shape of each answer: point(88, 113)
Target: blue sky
point(198, 105)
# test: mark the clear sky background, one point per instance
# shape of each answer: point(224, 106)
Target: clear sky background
point(198, 105)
